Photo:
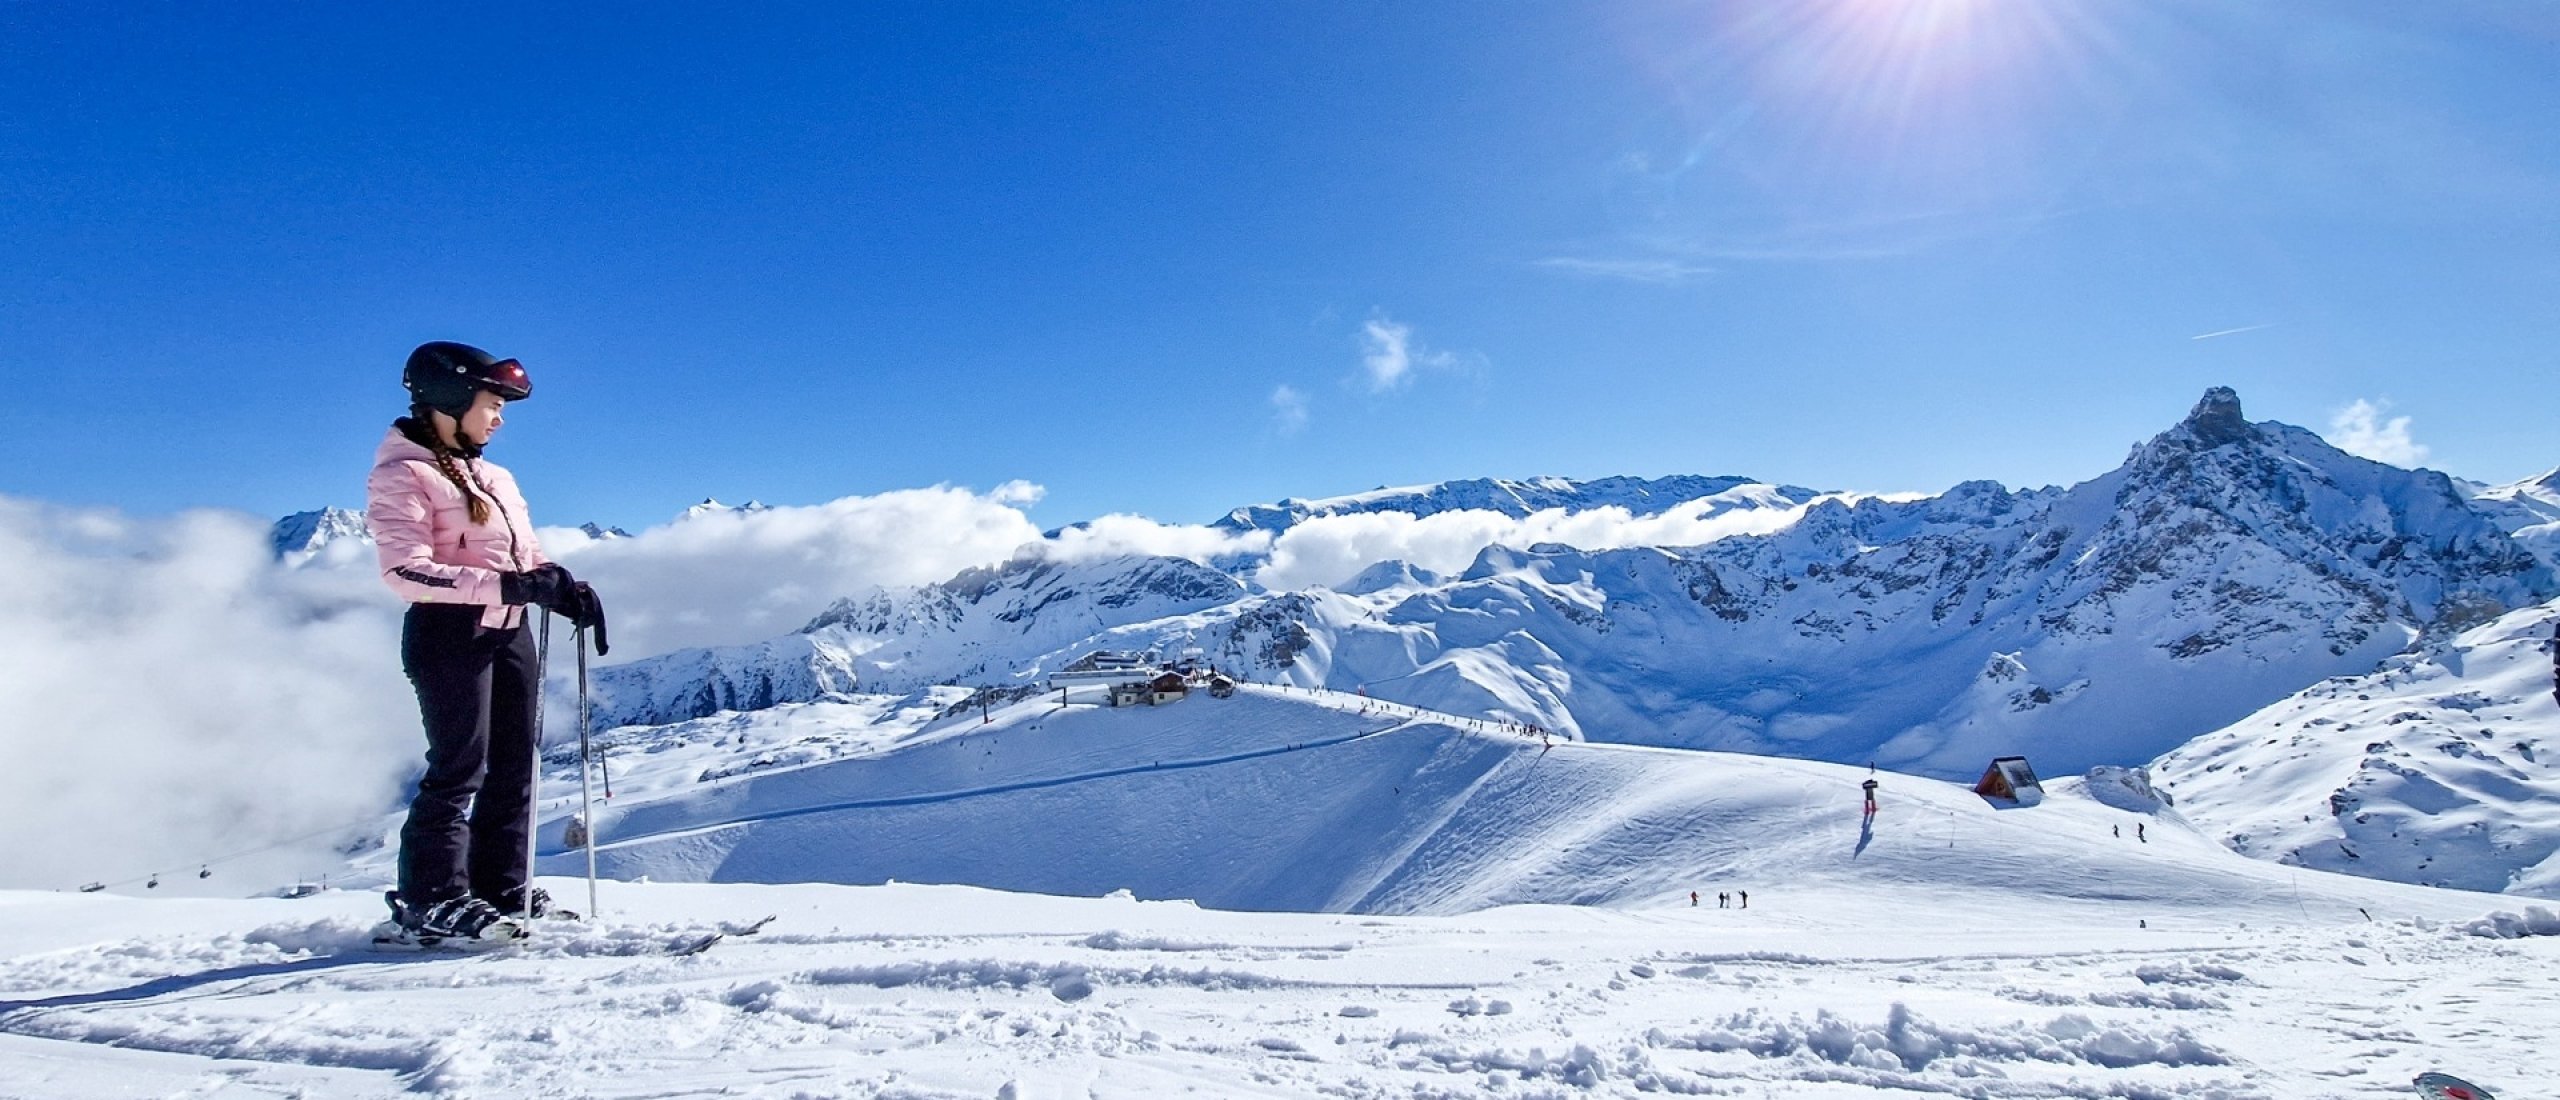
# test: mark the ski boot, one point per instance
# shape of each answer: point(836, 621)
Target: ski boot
point(512, 904)
point(462, 920)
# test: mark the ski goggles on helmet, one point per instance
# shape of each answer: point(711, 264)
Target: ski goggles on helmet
point(507, 379)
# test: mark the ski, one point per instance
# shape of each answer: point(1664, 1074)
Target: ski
point(704, 942)
point(2444, 1086)
point(510, 932)
point(503, 934)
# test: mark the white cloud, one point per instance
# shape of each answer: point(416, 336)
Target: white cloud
point(2359, 429)
point(1018, 493)
point(1289, 409)
point(1333, 549)
point(1119, 535)
point(1390, 353)
point(730, 577)
point(171, 694)
point(1385, 350)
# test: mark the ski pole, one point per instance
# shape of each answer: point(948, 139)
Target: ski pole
point(533, 795)
point(586, 786)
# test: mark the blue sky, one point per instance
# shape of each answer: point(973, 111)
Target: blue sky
point(1170, 259)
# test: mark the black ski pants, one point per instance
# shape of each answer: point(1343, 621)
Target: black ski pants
point(473, 812)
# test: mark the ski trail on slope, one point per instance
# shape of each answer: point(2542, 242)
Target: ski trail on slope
point(894, 801)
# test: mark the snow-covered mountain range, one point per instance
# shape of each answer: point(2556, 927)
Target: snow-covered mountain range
point(2529, 510)
point(2224, 566)
point(1639, 496)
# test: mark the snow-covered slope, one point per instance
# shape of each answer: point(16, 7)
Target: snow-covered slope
point(692, 683)
point(1282, 799)
point(2529, 510)
point(984, 626)
point(2441, 767)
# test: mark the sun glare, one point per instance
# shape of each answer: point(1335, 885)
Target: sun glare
point(1906, 98)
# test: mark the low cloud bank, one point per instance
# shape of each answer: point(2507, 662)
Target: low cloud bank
point(1329, 550)
point(168, 694)
point(732, 577)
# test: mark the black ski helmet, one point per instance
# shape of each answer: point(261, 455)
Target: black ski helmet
point(446, 376)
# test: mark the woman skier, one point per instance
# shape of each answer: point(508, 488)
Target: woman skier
point(456, 541)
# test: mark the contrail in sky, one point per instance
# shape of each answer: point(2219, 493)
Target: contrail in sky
point(2232, 331)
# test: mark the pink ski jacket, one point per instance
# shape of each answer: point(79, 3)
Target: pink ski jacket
point(430, 550)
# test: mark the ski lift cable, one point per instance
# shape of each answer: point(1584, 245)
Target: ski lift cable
point(206, 866)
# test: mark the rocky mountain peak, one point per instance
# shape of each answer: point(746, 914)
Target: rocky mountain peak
point(303, 534)
point(2216, 419)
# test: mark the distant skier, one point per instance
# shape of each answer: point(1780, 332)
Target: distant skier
point(454, 538)
point(2116, 831)
point(1724, 899)
point(1746, 898)
point(2139, 834)
point(1870, 787)
point(1693, 899)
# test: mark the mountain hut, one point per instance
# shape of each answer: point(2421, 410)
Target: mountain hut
point(2010, 779)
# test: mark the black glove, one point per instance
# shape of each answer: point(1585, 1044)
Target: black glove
point(586, 611)
point(545, 585)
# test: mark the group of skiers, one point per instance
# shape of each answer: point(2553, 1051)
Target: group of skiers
point(1724, 899)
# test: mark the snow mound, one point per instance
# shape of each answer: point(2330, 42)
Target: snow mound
point(2127, 789)
point(2503, 925)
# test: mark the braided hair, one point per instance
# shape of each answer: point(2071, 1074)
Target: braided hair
point(434, 442)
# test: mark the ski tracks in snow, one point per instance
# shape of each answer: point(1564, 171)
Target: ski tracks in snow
point(953, 992)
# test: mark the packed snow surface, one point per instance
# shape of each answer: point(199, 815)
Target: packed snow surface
point(1825, 989)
